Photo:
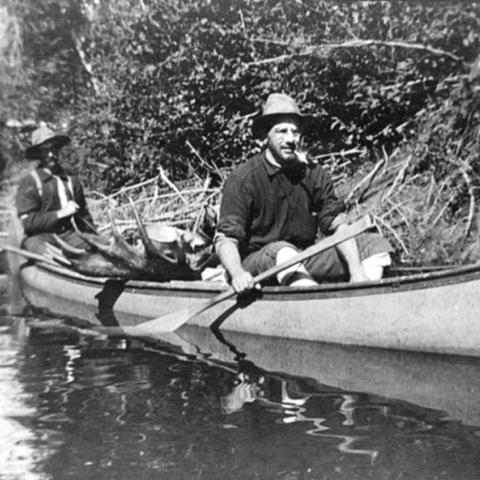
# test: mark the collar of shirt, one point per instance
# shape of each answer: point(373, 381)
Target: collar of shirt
point(46, 174)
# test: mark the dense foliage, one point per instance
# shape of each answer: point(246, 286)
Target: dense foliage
point(176, 82)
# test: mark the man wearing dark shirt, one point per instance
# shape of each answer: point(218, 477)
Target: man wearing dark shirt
point(273, 205)
point(48, 198)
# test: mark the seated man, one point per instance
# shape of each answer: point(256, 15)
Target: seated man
point(273, 204)
point(48, 198)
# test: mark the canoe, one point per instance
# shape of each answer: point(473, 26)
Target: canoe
point(425, 312)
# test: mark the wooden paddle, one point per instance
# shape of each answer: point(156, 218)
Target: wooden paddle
point(172, 321)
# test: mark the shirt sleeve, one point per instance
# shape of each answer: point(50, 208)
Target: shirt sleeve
point(326, 203)
point(28, 204)
point(234, 210)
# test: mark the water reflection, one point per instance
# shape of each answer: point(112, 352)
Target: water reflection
point(196, 405)
point(21, 447)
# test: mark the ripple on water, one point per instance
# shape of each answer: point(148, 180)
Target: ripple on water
point(21, 450)
point(103, 409)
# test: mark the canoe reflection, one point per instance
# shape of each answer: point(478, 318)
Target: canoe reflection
point(194, 399)
point(446, 383)
point(294, 410)
point(305, 382)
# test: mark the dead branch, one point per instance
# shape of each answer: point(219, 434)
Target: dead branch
point(87, 66)
point(442, 211)
point(464, 168)
point(210, 166)
point(164, 177)
point(343, 153)
point(392, 231)
point(367, 179)
point(131, 187)
point(201, 210)
point(398, 209)
point(355, 43)
point(398, 179)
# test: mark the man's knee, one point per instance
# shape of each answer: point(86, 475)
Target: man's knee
point(374, 265)
point(264, 258)
point(374, 253)
point(296, 275)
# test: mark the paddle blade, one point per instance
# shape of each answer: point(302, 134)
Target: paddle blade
point(166, 323)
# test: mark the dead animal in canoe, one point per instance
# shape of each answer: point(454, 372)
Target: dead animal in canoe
point(157, 252)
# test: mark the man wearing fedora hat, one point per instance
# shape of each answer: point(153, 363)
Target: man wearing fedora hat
point(274, 204)
point(48, 198)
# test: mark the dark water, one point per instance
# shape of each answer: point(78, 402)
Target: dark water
point(74, 405)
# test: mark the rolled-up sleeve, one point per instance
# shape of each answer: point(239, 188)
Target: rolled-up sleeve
point(326, 203)
point(234, 210)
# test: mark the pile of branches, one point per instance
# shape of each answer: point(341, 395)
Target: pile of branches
point(423, 194)
point(189, 205)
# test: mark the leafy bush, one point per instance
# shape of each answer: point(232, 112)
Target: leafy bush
point(175, 83)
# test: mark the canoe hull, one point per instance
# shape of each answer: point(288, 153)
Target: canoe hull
point(429, 313)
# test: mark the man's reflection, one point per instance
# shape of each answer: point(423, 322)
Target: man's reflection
point(244, 391)
point(248, 388)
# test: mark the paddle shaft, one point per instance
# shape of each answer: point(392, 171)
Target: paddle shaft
point(346, 233)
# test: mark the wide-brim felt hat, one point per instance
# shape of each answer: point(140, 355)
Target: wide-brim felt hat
point(277, 105)
point(42, 135)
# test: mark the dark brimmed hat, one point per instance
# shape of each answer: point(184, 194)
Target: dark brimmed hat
point(42, 135)
point(277, 105)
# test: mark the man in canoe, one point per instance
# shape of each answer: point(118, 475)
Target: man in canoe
point(48, 198)
point(273, 205)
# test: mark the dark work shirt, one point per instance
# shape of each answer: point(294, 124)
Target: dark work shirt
point(38, 210)
point(262, 203)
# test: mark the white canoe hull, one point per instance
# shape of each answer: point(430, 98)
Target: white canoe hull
point(436, 312)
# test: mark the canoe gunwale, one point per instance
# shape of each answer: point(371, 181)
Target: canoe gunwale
point(415, 281)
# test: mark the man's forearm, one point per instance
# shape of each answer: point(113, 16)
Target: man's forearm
point(227, 251)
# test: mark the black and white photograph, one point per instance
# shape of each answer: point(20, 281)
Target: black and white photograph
point(239, 239)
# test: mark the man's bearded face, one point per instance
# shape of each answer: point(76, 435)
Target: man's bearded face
point(283, 140)
point(48, 154)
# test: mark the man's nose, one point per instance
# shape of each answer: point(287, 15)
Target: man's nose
point(291, 138)
point(292, 143)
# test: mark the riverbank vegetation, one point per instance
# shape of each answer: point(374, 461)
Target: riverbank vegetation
point(174, 84)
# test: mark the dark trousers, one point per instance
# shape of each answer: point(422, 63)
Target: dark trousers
point(326, 266)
